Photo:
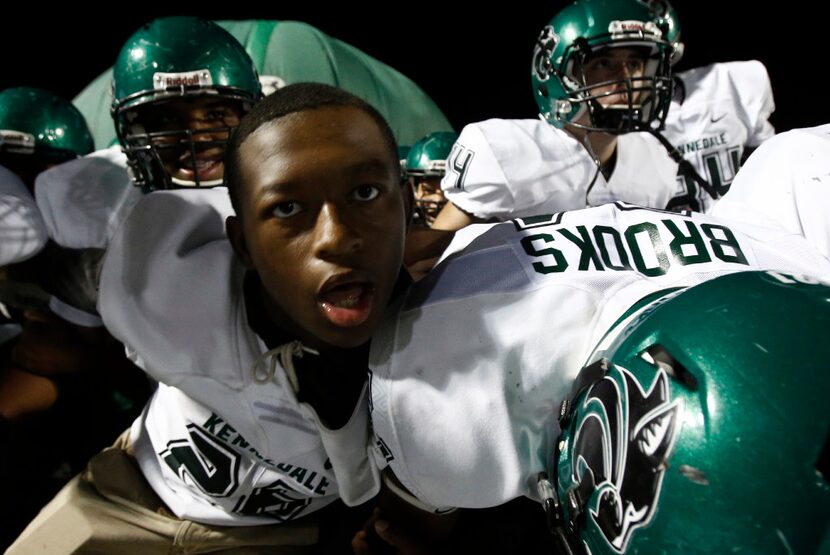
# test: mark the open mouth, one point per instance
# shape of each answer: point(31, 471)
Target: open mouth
point(207, 170)
point(346, 302)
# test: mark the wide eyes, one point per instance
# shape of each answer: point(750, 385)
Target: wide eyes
point(365, 193)
point(287, 209)
point(362, 193)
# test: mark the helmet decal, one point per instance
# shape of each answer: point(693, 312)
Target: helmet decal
point(545, 45)
point(624, 434)
point(199, 78)
point(623, 29)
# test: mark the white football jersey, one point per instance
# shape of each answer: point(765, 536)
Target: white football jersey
point(501, 169)
point(468, 374)
point(22, 232)
point(84, 201)
point(725, 108)
point(217, 445)
point(786, 184)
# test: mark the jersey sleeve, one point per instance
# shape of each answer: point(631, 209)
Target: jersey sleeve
point(785, 184)
point(85, 200)
point(22, 231)
point(475, 181)
point(751, 82)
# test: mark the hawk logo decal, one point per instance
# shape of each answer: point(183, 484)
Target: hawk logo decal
point(545, 45)
point(623, 437)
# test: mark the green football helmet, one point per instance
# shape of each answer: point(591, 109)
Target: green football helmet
point(429, 155)
point(701, 426)
point(426, 164)
point(584, 29)
point(165, 61)
point(35, 122)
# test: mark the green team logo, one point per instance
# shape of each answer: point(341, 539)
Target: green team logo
point(623, 434)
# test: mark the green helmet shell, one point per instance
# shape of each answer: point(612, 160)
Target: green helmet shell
point(35, 121)
point(170, 58)
point(429, 155)
point(703, 426)
point(667, 19)
point(586, 26)
point(177, 56)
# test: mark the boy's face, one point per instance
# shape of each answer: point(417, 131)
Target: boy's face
point(322, 222)
point(618, 65)
point(429, 197)
point(210, 121)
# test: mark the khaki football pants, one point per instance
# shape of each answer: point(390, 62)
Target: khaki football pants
point(111, 509)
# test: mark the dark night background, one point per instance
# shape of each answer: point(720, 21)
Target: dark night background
point(474, 62)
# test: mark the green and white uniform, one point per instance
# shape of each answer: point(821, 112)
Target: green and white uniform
point(469, 372)
point(718, 111)
point(502, 169)
point(22, 232)
point(222, 441)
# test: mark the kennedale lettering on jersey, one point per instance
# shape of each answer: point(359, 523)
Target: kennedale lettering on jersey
point(639, 247)
point(702, 144)
point(307, 478)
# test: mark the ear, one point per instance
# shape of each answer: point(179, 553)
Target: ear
point(408, 195)
point(236, 235)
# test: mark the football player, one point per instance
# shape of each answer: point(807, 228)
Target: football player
point(480, 405)
point(600, 71)
point(174, 104)
point(246, 336)
point(426, 164)
point(55, 377)
point(38, 130)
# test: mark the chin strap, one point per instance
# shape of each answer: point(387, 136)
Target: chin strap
point(284, 354)
point(565, 543)
point(686, 167)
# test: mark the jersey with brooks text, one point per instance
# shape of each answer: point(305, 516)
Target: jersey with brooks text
point(469, 372)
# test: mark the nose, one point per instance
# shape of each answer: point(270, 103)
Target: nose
point(199, 131)
point(336, 235)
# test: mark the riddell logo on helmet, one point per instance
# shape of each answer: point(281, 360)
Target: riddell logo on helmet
point(10, 138)
point(633, 26)
point(198, 78)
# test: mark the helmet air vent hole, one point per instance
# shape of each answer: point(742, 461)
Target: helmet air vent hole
point(658, 356)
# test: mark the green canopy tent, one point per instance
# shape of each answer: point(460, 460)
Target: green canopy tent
point(290, 52)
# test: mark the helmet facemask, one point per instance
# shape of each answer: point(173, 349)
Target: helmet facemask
point(179, 140)
point(567, 97)
point(641, 101)
point(429, 199)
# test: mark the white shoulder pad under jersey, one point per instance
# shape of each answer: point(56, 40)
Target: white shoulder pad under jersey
point(171, 290)
point(786, 184)
point(22, 232)
point(468, 372)
point(501, 169)
point(725, 108)
point(85, 200)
